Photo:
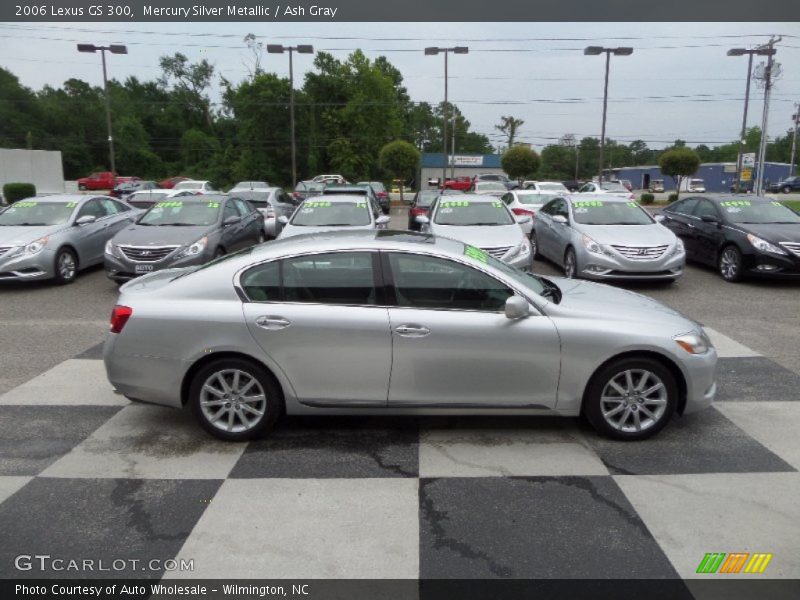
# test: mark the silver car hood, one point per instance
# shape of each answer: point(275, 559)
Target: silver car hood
point(292, 230)
point(18, 235)
point(654, 234)
point(483, 236)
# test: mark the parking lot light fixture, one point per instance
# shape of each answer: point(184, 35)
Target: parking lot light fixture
point(114, 49)
point(596, 51)
point(431, 51)
point(300, 49)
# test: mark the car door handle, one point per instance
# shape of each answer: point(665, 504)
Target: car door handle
point(411, 330)
point(690, 226)
point(272, 323)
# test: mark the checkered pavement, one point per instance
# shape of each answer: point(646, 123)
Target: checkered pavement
point(85, 474)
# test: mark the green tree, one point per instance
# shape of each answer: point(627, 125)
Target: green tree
point(401, 159)
point(519, 161)
point(679, 163)
point(509, 126)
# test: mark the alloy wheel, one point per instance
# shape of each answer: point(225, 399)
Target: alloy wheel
point(233, 400)
point(66, 266)
point(729, 264)
point(633, 400)
point(569, 265)
point(534, 245)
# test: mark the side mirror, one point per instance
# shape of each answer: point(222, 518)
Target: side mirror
point(283, 219)
point(232, 220)
point(422, 219)
point(709, 219)
point(559, 219)
point(517, 307)
point(383, 220)
point(523, 219)
point(660, 218)
point(85, 220)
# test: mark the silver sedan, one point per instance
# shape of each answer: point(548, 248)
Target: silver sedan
point(53, 237)
point(605, 237)
point(339, 212)
point(395, 322)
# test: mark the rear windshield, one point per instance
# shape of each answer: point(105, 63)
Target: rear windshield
point(553, 187)
point(747, 211)
point(468, 213)
point(36, 212)
point(327, 213)
point(534, 198)
point(426, 198)
point(613, 187)
point(599, 212)
point(177, 212)
point(490, 186)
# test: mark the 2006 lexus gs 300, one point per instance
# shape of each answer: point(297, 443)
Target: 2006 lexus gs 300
point(394, 322)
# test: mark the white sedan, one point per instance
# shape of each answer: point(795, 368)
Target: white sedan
point(612, 188)
point(198, 187)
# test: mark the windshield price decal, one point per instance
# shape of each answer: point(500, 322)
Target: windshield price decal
point(25, 204)
point(631, 204)
point(213, 205)
point(775, 203)
point(588, 204)
point(455, 203)
point(727, 203)
point(361, 205)
point(476, 253)
point(72, 204)
point(317, 204)
point(171, 204)
point(497, 204)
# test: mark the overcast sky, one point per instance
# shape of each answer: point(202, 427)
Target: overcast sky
point(537, 67)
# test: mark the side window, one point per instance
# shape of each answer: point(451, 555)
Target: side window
point(428, 282)
point(684, 207)
point(230, 210)
point(508, 198)
point(243, 207)
point(112, 207)
point(337, 278)
point(548, 208)
point(262, 283)
point(559, 207)
point(705, 208)
point(92, 208)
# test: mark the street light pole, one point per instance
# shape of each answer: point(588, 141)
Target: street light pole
point(114, 49)
point(301, 49)
point(796, 118)
point(431, 51)
point(762, 154)
point(593, 51)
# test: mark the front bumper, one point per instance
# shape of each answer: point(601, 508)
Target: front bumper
point(767, 264)
point(520, 262)
point(614, 266)
point(701, 383)
point(122, 269)
point(27, 267)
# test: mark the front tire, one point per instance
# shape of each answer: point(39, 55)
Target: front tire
point(631, 399)
point(534, 245)
point(729, 264)
point(234, 399)
point(65, 266)
point(570, 264)
point(787, 190)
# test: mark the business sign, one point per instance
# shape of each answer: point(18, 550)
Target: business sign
point(747, 174)
point(749, 159)
point(466, 161)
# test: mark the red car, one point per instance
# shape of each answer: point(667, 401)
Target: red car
point(171, 182)
point(458, 183)
point(103, 180)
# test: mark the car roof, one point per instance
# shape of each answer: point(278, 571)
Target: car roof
point(203, 198)
point(67, 197)
point(336, 198)
point(588, 197)
point(475, 198)
point(728, 197)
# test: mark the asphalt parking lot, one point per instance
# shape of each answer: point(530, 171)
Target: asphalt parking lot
point(85, 473)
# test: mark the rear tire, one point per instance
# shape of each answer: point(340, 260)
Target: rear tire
point(534, 245)
point(65, 266)
point(235, 399)
point(631, 399)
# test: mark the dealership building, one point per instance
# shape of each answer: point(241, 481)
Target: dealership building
point(718, 177)
point(460, 165)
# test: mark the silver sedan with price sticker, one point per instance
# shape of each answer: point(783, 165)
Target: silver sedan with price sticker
point(53, 237)
point(338, 212)
point(484, 222)
point(400, 323)
point(606, 237)
point(183, 232)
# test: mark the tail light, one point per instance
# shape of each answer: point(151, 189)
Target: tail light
point(296, 195)
point(415, 212)
point(120, 316)
point(521, 212)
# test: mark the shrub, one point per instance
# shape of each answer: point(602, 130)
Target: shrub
point(647, 198)
point(672, 197)
point(18, 191)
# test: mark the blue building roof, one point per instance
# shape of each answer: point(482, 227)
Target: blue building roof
point(435, 160)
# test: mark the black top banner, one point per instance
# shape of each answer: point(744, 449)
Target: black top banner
point(400, 11)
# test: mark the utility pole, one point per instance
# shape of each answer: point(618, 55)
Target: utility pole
point(796, 121)
point(762, 154)
point(453, 146)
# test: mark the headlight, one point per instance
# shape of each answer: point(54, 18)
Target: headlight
point(694, 343)
point(763, 245)
point(524, 248)
point(34, 247)
point(591, 245)
point(194, 248)
point(679, 249)
point(110, 248)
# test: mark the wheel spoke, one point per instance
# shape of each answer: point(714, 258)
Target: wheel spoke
point(629, 381)
point(257, 398)
point(647, 412)
point(617, 409)
point(645, 376)
point(235, 382)
point(656, 401)
point(212, 390)
point(231, 415)
point(215, 417)
point(251, 410)
point(637, 420)
point(247, 387)
point(652, 389)
point(223, 383)
point(214, 402)
point(617, 387)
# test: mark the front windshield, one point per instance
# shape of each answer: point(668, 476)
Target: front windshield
point(553, 187)
point(177, 212)
point(528, 280)
point(310, 186)
point(490, 186)
point(747, 211)
point(468, 212)
point(613, 187)
point(532, 198)
point(325, 213)
point(600, 212)
point(37, 212)
point(189, 185)
point(426, 198)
